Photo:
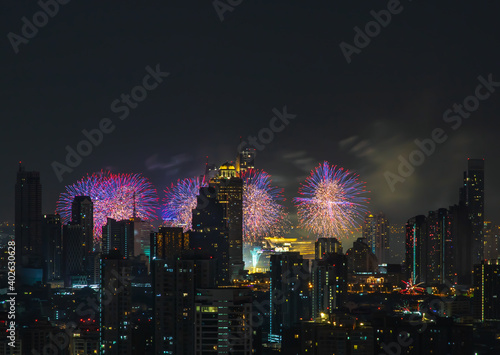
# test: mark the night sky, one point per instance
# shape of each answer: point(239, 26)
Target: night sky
point(226, 77)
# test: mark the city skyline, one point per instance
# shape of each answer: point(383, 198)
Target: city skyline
point(250, 177)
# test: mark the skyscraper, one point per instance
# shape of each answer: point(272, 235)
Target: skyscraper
point(175, 281)
point(222, 323)
point(73, 254)
point(177, 272)
point(289, 293)
point(118, 235)
point(487, 290)
point(52, 247)
point(473, 196)
point(229, 187)
point(416, 248)
point(210, 232)
point(116, 305)
point(82, 213)
point(440, 253)
point(462, 235)
point(329, 281)
point(491, 241)
point(28, 218)
point(376, 231)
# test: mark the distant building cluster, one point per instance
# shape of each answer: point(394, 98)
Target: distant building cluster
point(147, 290)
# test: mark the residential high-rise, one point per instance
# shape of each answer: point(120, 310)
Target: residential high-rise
point(52, 247)
point(437, 232)
point(223, 321)
point(325, 246)
point(472, 194)
point(329, 283)
point(487, 290)
point(491, 241)
point(116, 306)
point(28, 218)
point(289, 293)
point(416, 248)
point(376, 231)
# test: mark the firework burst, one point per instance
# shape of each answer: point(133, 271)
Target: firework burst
point(114, 196)
point(180, 200)
point(412, 288)
point(332, 201)
point(263, 216)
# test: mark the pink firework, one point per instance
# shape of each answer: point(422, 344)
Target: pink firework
point(180, 200)
point(333, 201)
point(113, 195)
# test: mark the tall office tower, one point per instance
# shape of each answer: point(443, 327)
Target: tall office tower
point(360, 257)
point(116, 306)
point(52, 247)
point(168, 242)
point(229, 187)
point(222, 321)
point(487, 290)
point(246, 159)
point(472, 194)
point(329, 279)
point(491, 241)
point(73, 253)
point(376, 231)
point(118, 235)
point(289, 293)
point(210, 232)
point(416, 248)
point(28, 218)
point(324, 246)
